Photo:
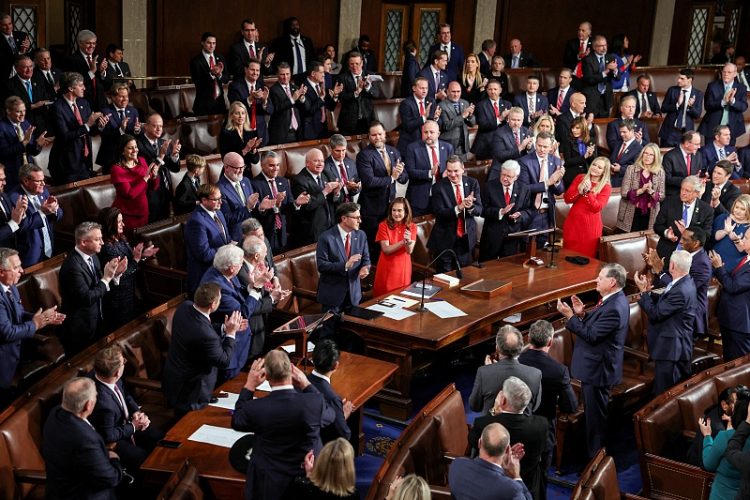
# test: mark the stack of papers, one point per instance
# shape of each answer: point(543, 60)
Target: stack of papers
point(217, 436)
point(444, 310)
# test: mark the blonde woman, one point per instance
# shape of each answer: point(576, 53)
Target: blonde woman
point(642, 191)
point(545, 123)
point(330, 476)
point(589, 194)
point(472, 81)
point(411, 487)
point(729, 229)
point(238, 136)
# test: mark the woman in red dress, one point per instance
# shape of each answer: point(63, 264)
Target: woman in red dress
point(132, 178)
point(397, 236)
point(589, 194)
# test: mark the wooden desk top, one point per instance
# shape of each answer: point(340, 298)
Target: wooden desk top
point(357, 379)
point(531, 287)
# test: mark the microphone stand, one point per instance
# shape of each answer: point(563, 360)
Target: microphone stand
point(459, 274)
point(551, 264)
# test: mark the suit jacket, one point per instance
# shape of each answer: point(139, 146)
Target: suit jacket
point(670, 133)
point(522, 101)
point(284, 50)
point(489, 380)
point(453, 127)
point(92, 474)
point(504, 148)
point(445, 79)
point(627, 158)
point(729, 193)
point(556, 388)
point(40, 91)
point(158, 199)
point(12, 150)
point(552, 95)
point(598, 351)
point(67, 162)
point(410, 130)
point(279, 125)
point(495, 229)
point(410, 72)
point(714, 98)
point(525, 60)
point(50, 87)
point(109, 150)
point(202, 238)
point(185, 196)
point(31, 239)
point(319, 214)
point(234, 209)
point(485, 65)
point(205, 85)
point(653, 102)
point(487, 122)
point(562, 128)
point(378, 190)
point(418, 164)
point(108, 417)
point(592, 77)
point(671, 319)
point(81, 294)
point(614, 141)
point(339, 427)
point(239, 56)
point(443, 205)
point(7, 53)
point(478, 479)
point(744, 157)
point(334, 173)
point(238, 91)
point(335, 280)
point(312, 110)
point(197, 351)
point(268, 218)
point(9, 237)
point(287, 425)
point(733, 311)
point(353, 108)
point(15, 326)
point(675, 169)
point(530, 176)
point(570, 54)
point(455, 60)
point(670, 211)
point(97, 86)
point(710, 158)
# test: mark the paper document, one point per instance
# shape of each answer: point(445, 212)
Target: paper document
point(290, 348)
point(444, 310)
point(400, 301)
point(513, 318)
point(391, 312)
point(217, 436)
point(227, 402)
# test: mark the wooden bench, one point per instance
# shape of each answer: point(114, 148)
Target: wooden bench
point(598, 481)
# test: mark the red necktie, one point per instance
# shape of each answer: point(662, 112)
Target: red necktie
point(581, 49)
point(622, 150)
point(560, 96)
point(460, 227)
point(253, 104)
point(739, 266)
point(275, 192)
point(688, 162)
point(77, 114)
point(421, 108)
point(518, 139)
point(251, 52)
point(497, 110)
point(435, 162)
point(211, 65)
point(348, 245)
point(507, 196)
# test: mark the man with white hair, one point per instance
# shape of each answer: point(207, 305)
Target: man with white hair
point(725, 102)
point(318, 196)
point(94, 68)
point(671, 317)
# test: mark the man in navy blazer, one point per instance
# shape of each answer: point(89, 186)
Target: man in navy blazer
point(425, 164)
point(734, 302)
point(682, 106)
point(12, 217)
point(326, 362)
point(341, 269)
point(725, 102)
point(720, 192)
point(318, 102)
point(599, 69)
point(627, 112)
point(154, 148)
point(240, 53)
point(356, 97)
point(286, 424)
point(437, 78)
point(455, 201)
point(554, 94)
point(624, 151)
point(720, 149)
point(198, 350)
point(209, 76)
point(271, 186)
point(69, 441)
point(415, 111)
point(495, 474)
point(646, 103)
point(598, 350)
point(237, 207)
point(453, 52)
point(123, 119)
point(490, 114)
point(33, 91)
point(671, 318)
point(531, 96)
point(681, 162)
point(340, 167)
point(15, 150)
point(205, 231)
point(670, 222)
point(510, 142)
point(12, 43)
point(97, 76)
point(259, 103)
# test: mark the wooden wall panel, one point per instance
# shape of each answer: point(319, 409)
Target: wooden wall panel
point(108, 24)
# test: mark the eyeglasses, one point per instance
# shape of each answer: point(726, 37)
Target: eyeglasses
point(359, 217)
point(214, 199)
point(235, 168)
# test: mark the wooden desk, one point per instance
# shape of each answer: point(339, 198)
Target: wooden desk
point(397, 341)
point(357, 380)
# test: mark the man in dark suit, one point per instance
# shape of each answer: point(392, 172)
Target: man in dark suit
point(15, 323)
point(507, 209)
point(247, 49)
point(456, 116)
point(734, 302)
point(83, 283)
point(116, 416)
point(720, 192)
point(238, 199)
point(12, 217)
point(120, 69)
point(379, 167)
point(490, 377)
point(456, 201)
point(578, 48)
point(564, 120)
point(205, 231)
point(73, 124)
point(165, 153)
point(528, 430)
point(559, 97)
point(285, 124)
point(598, 350)
point(318, 101)
point(680, 212)
point(36, 240)
point(517, 58)
point(32, 89)
point(682, 106)
point(293, 48)
point(250, 91)
point(725, 101)
point(13, 43)
point(497, 469)
point(326, 362)
point(720, 149)
point(271, 186)
point(198, 350)
point(625, 150)
point(455, 54)
point(743, 71)
point(316, 196)
point(671, 318)
point(681, 162)
point(425, 164)
point(286, 424)
point(44, 70)
point(490, 114)
point(415, 111)
point(599, 69)
point(489, 47)
point(533, 102)
point(67, 434)
point(342, 168)
point(369, 59)
point(627, 112)
point(186, 193)
point(97, 77)
point(356, 97)
point(510, 142)
point(646, 103)
point(436, 75)
point(18, 142)
point(123, 119)
point(209, 76)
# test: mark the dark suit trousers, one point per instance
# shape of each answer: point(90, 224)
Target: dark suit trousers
point(132, 455)
point(735, 343)
point(595, 401)
point(445, 263)
point(669, 373)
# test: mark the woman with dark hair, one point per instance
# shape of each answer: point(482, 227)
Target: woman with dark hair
point(329, 51)
point(397, 236)
point(132, 179)
point(238, 136)
point(330, 476)
point(626, 63)
point(119, 305)
point(577, 150)
point(410, 68)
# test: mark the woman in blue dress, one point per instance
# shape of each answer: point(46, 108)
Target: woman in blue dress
point(728, 230)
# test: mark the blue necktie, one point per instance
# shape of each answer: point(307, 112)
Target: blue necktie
point(27, 83)
point(602, 86)
point(684, 220)
point(298, 55)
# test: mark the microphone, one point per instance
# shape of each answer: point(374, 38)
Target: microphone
point(459, 273)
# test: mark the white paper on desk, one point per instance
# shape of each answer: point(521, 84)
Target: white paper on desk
point(228, 402)
point(399, 301)
point(217, 436)
point(291, 347)
point(391, 312)
point(374, 78)
point(443, 309)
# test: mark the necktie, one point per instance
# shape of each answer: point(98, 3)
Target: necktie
point(77, 114)
point(253, 106)
point(293, 123)
point(739, 266)
point(722, 154)
point(532, 106)
point(90, 262)
point(435, 162)
point(342, 172)
point(688, 163)
point(421, 108)
point(644, 104)
point(321, 93)
point(460, 231)
point(669, 286)
point(386, 161)
point(196, 184)
point(497, 111)
point(457, 107)
point(602, 86)
point(685, 209)
point(517, 137)
point(348, 245)
point(299, 64)
point(121, 113)
point(622, 150)
point(507, 196)
point(251, 51)
point(542, 171)
point(238, 188)
point(36, 201)
point(20, 134)
point(121, 400)
point(437, 81)
point(50, 79)
point(560, 97)
point(118, 71)
point(4, 210)
point(217, 221)
point(725, 110)
point(93, 80)
point(683, 116)
point(27, 84)
point(12, 44)
point(321, 184)
point(275, 192)
point(514, 63)
point(211, 65)
point(581, 49)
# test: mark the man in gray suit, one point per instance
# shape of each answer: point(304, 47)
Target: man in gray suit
point(490, 377)
point(456, 116)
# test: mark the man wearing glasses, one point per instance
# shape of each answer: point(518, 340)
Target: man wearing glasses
point(205, 231)
point(237, 197)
